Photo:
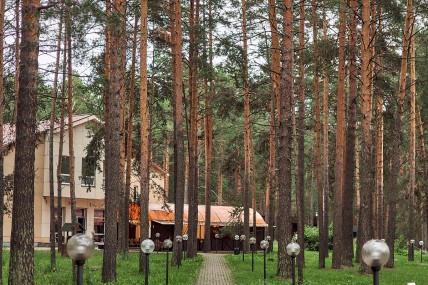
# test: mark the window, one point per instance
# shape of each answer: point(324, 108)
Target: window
point(81, 217)
point(88, 173)
point(65, 170)
point(98, 225)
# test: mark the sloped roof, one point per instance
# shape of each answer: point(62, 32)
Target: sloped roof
point(9, 130)
point(220, 215)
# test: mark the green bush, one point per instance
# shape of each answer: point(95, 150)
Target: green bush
point(312, 238)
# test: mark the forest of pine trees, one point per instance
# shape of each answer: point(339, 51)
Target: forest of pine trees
point(317, 109)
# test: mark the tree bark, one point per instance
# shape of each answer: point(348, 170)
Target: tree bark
point(300, 179)
point(340, 143)
point(144, 133)
point(396, 144)
point(348, 194)
point(21, 266)
point(2, 184)
point(51, 150)
point(365, 221)
point(129, 136)
point(17, 54)
point(247, 128)
point(192, 176)
point(285, 141)
point(275, 74)
point(177, 76)
point(320, 218)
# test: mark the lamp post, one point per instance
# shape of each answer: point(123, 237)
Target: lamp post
point(264, 244)
point(293, 250)
point(80, 247)
point(185, 238)
point(167, 244)
point(179, 239)
point(421, 243)
point(268, 238)
point(243, 237)
point(252, 244)
point(147, 247)
point(216, 239)
point(273, 234)
point(375, 254)
point(316, 218)
point(411, 250)
point(236, 248)
point(157, 235)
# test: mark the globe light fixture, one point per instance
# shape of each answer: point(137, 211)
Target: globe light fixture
point(236, 245)
point(242, 238)
point(80, 248)
point(375, 253)
point(147, 247)
point(179, 239)
point(167, 244)
point(411, 256)
point(185, 238)
point(217, 236)
point(293, 250)
point(252, 244)
point(421, 244)
point(264, 244)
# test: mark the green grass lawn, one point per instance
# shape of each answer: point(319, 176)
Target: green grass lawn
point(403, 272)
point(127, 269)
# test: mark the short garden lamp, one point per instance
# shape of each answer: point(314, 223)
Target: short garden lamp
point(375, 254)
point(179, 239)
point(167, 244)
point(157, 235)
point(421, 244)
point(147, 247)
point(264, 244)
point(412, 250)
point(268, 238)
point(217, 236)
point(237, 241)
point(252, 244)
point(243, 237)
point(185, 238)
point(293, 250)
point(80, 247)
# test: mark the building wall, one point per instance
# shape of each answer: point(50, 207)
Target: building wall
point(89, 199)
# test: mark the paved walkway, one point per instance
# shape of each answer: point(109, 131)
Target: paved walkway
point(214, 270)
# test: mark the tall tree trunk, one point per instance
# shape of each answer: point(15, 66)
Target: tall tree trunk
point(21, 265)
point(17, 54)
point(166, 167)
point(192, 177)
point(325, 167)
point(70, 119)
point(208, 133)
point(300, 179)
point(2, 184)
point(112, 142)
point(177, 76)
point(122, 222)
point(320, 221)
point(396, 144)
point(423, 161)
point(275, 66)
point(365, 221)
point(220, 174)
point(129, 135)
point(412, 169)
point(379, 153)
point(144, 133)
point(253, 185)
point(247, 128)
point(285, 141)
point(61, 144)
point(340, 143)
point(51, 150)
point(348, 194)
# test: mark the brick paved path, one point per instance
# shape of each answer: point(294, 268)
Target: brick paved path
point(214, 271)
